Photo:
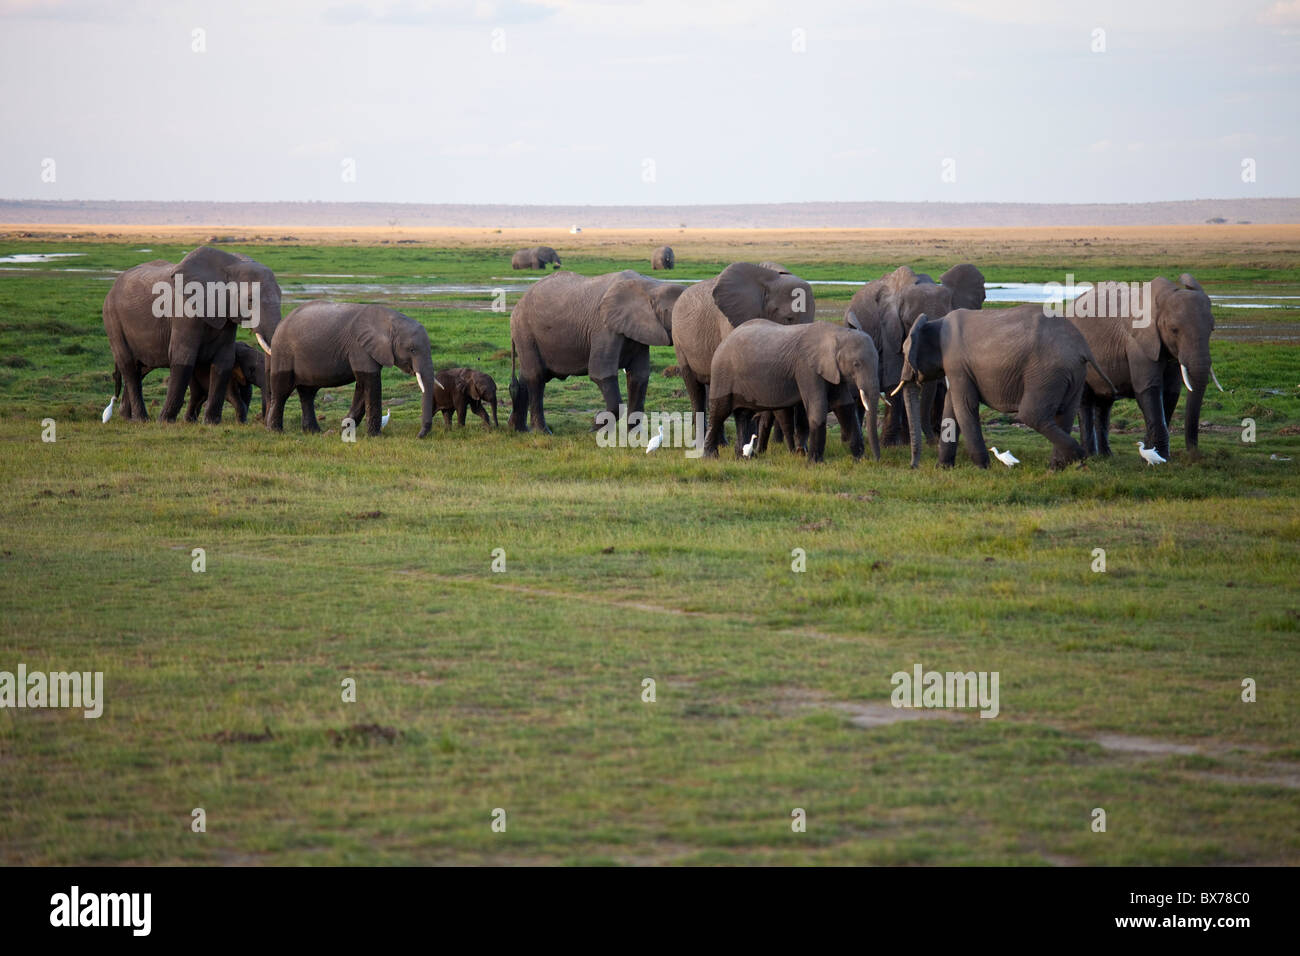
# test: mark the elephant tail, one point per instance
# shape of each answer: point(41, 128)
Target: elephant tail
point(1093, 362)
point(518, 395)
point(117, 382)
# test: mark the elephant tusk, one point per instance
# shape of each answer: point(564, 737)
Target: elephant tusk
point(419, 381)
point(886, 401)
point(896, 390)
point(863, 395)
point(1216, 379)
point(1186, 381)
point(438, 384)
point(262, 342)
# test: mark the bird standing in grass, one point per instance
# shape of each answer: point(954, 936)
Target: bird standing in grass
point(383, 422)
point(1005, 457)
point(108, 411)
point(1150, 454)
point(656, 441)
point(750, 446)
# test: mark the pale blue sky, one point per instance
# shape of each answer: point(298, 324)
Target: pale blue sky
point(714, 94)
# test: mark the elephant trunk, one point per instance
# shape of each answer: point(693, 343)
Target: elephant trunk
point(426, 376)
point(1196, 377)
point(912, 399)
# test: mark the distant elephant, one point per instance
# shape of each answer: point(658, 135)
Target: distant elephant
point(456, 389)
point(1019, 361)
point(1148, 357)
point(149, 326)
point(569, 324)
point(708, 311)
point(538, 257)
point(823, 367)
point(249, 371)
point(326, 344)
point(663, 258)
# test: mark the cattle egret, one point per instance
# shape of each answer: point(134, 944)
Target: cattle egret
point(383, 422)
point(655, 442)
point(1277, 458)
point(1005, 457)
point(108, 411)
point(751, 446)
point(1150, 454)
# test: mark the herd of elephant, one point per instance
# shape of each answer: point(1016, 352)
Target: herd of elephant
point(747, 343)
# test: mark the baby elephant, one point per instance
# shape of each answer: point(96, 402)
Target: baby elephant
point(1018, 361)
point(455, 389)
point(764, 366)
point(249, 371)
point(327, 344)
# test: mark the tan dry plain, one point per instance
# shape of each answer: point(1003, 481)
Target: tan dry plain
point(1181, 246)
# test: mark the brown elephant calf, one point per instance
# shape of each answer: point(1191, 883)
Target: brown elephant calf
point(456, 389)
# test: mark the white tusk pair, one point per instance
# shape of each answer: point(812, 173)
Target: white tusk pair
point(262, 342)
point(419, 381)
point(1186, 381)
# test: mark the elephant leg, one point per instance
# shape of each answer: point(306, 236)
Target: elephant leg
point(948, 449)
point(799, 422)
point(929, 394)
point(218, 384)
point(446, 414)
point(1151, 401)
point(816, 439)
point(638, 380)
point(698, 395)
point(535, 386)
point(1064, 448)
point(1173, 389)
point(609, 391)
point(133, 391)
point(784, 429)
point(460, 410)
point(746, 427)
point(177, 383)
point(281, 384)
point(357, 410)
point(307, 398)
point(966, 406)
point(719, 409)
point(477, 408)
point(936, 407)
point(1101, 431)
point(847, 415)
point(895, 425)
point(198, 395)
point(1087, 427)
point(374, 398)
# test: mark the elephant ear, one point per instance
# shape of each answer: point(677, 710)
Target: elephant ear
point(1148, 336)
point(1188, 281)
point(824, 358)
point(852, 321)
point(918, 333)
point(627, 310)
point(740, 290)
point(376, 338)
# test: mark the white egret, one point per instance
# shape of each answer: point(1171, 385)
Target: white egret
point(1005, 457)
point(108, 411)
point(751, 446)
point(383, 422)
point(1150, 454)
point(656, 441)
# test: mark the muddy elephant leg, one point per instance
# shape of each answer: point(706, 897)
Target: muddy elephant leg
point(307, 399)
point(1152, 403)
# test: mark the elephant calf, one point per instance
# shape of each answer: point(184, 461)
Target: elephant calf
point(249, 371)
point(327, 344)
point(1018, 361)
point(456, 389)
point(538, 257)
point(764, 366)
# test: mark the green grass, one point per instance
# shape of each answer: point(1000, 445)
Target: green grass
point(522, 690)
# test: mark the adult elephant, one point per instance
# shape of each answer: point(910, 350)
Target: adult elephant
point(538, 257)
point(764, 366)
point(1148, 357)
point(708, 311)
point(1019, 361)
point(327, 344)
point(180, 315)
point(663, 258)
point(569, 324)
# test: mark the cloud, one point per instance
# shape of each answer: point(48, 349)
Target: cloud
point(1284, 13)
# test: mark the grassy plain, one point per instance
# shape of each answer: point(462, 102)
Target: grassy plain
point(522, 690)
